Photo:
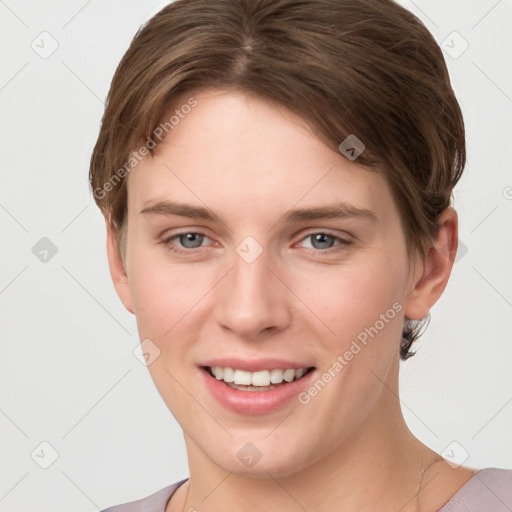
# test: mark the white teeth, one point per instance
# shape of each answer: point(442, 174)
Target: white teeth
point(261, 379)
point(242, 377)
point(276, 376)
point(229, 375)
point(289, 374)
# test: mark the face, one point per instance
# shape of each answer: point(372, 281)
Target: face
point(254, 249)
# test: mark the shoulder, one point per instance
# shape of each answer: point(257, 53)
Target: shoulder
point(489, 489)
point(154, 503)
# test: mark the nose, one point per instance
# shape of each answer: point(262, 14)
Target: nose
point(252, 300)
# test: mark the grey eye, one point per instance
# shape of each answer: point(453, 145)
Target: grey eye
point(191, 240)
point(322, 240)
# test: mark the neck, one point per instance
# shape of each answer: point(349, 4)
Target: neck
point(379, 467)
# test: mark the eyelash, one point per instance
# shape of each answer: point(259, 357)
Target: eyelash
point(188, 252)
point(341, 243)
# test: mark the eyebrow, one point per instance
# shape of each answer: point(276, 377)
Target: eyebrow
point(339, 210)
point(181, 209)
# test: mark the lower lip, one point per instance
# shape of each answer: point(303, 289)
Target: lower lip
point(254, 402)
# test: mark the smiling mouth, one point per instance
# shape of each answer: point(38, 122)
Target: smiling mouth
point(263, 380)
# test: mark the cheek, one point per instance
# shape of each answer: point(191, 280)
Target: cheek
point(363, 308)
point(167, 301)
point(354, 298)
point(165, 296)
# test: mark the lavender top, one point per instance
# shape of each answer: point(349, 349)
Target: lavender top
point(490, 490)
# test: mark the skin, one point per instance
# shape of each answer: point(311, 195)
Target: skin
point(250, 162)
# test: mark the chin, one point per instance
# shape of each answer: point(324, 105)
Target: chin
point(250, 462)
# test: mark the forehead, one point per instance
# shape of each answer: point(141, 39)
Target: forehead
point(243, 154)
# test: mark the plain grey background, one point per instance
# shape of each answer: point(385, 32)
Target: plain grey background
point(73, 396)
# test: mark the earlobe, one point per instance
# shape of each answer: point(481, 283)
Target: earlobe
point(431, 276)
point(117, 269)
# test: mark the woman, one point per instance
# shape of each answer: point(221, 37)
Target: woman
point(276, 178)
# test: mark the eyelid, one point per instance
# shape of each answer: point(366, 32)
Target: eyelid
point(344, 237)
point(166, 238)
point(185, 230)
point(341, 243)
point(175, 249)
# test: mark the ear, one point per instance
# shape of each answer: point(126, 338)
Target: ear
point(432, 273)
point(117, 270)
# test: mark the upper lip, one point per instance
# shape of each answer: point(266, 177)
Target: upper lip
point(255, 365)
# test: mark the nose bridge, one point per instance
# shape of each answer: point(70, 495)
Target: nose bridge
point(252, 299)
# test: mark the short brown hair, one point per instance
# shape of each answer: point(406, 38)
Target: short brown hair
point(367, 68)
